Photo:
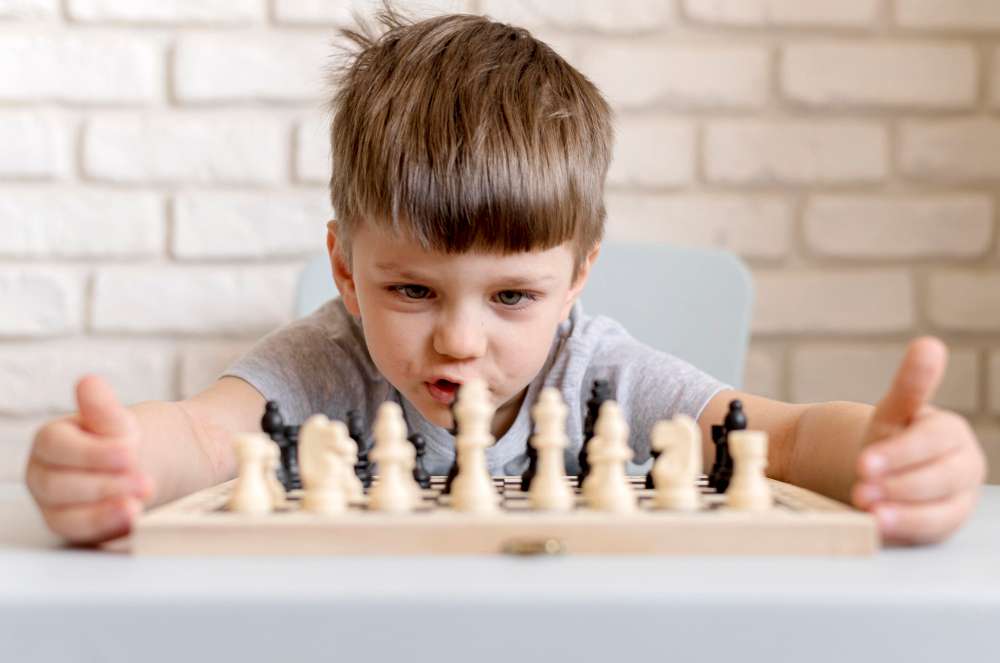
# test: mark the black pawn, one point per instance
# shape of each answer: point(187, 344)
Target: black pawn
point(529, 474)
point(356, 429)
point(736, 419)
point(420, 474)
point(272, 422)
point(721, 451)
point(649, 475)
point(600, 392)
point(290, 457)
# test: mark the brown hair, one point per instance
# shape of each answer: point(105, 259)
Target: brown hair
point(461, 133)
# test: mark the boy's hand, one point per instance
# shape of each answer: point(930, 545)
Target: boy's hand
point(921, 467)
point(83, 470)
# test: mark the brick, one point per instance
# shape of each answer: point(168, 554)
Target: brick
point(824, 372)
point(610, 16)
point(250, 225)
point(36, 145)
point(950, 150)
point(202, 364)
point(757, 227)
point(40, 377)
point(214, 67)
point(16, 436)
point(989, 438)
point(795, 152)
point(81, 224)
point(844, 74)
point(200, 300)
point(995, 79)
point(762, 374)
point(652, 152)
point(36, 301)
point(964, 300)
point(28, 9)
point(994, 380)
point(843, 13)
point(230, 148)
point(917, 226)
point(167, 11)
point(954, 14)
point(87, 69)
point(832, 301)
point(312, 151)
point(637, 76)
point(338, 12)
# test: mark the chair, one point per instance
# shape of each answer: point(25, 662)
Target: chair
point(691, 302)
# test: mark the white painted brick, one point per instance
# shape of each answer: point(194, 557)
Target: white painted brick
point(79, 68)
point(203, 363)
point(848, 74)
point(338, 12)
point(80, 223)
point(167, 11)
point(16, 436)
point(28, 9)
point(995, 79)
point(989, 438)
point(250, 225)
point(232, 148)
point(635, 76)
point(762, 374)
point(37, 378)
point(758, 227)
point(864, 373)
point(960, 14)
point(611, 16)
point(994, 387)
point(951, 150)
point(39, 301)
point(217, 67)
point(964, 300)
point(867, 301)
point(312, 151)
point(35, 145)
point(842, 13)
point(217, 299)
point(795, 152)
point(917, 226)
point(653, 151)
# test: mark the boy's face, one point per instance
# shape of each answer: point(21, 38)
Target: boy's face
point(433, 321)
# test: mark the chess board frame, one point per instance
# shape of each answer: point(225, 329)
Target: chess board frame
point(801, 523)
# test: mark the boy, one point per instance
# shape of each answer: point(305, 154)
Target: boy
point(469, 166)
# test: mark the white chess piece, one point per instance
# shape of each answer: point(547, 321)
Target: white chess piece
point(394, 490)
point(612, 490)
point(472, 490)
point(251, 494)
point(599, 440)
point(347, 449)
point(676, 470)
point(274, 486)
point(321, 466)
point(549, 490)
point(749, 490)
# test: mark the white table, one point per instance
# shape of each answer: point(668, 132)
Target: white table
point(939, 603)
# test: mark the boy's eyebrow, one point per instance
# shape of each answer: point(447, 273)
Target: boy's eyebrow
point(516, 280)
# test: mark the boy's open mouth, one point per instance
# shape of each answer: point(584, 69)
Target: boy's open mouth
point(443, 391)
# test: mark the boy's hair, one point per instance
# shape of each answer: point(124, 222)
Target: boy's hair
point(462, 134)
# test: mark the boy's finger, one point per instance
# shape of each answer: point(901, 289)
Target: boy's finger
point(62, 443)
point(929, 437)
point(58, 487)
point(915, 383)
point(934, 480)
point(101, 413)
point(93, 523)
point(929, 522)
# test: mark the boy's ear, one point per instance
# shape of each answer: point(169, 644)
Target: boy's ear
point(581, 280)
point(342, 275)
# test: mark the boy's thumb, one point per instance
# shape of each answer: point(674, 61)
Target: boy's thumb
point(101, 413)
point(915, 384)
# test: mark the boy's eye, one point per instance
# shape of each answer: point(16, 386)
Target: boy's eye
point(511, 297)
point(413, 291)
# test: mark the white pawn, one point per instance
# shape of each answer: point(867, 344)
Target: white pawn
point(676, 470)
point(321, 466)
point(549, 490)
point(472, 490)
point(612, 491)
point(347, 449)
point(277, 491)
point(749, 490)
point(251, 494)
point(603, 428)
point(394, 491)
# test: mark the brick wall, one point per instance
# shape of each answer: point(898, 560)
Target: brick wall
point(163, 166)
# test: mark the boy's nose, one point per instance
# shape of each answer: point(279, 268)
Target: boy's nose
point(462, 336)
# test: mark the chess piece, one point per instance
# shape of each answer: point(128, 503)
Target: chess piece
point(420, 473)
point(718, 441)
point(453, 470)
point(356, 429)
point(654, 454)
point(548, 488)
point(290, 456)
point(271, 466)
point(251, 494)
point(472, 489)
point(749, 489)
point(532, 469)
point(609, 487)
point(395, 490)
point(678, 467)
point(599, 392)
point(323, 466)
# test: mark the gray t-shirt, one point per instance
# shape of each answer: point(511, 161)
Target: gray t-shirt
point(321, 364)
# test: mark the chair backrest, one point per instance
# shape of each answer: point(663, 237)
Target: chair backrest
point(691, 302)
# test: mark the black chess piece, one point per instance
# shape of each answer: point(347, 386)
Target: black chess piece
point(649, 475)
point(599, 392)
point(721, 452)
point(453, 471)
point(272, 422)
point(529, 474)
point(290, 457)
point(420, 474)
point(356, 429)
point(736, 419)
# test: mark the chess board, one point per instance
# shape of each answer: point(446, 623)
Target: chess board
point(800, 523)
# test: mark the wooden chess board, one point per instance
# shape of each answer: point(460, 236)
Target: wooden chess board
point(801, 523)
